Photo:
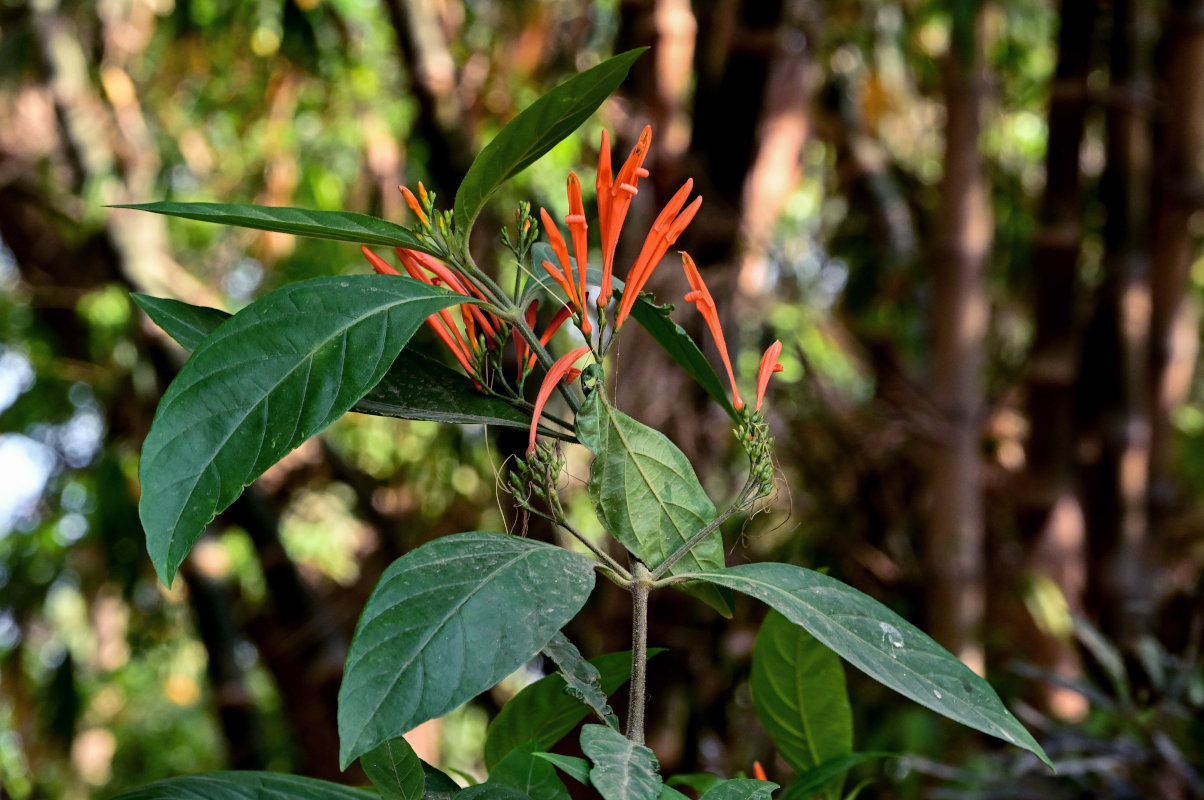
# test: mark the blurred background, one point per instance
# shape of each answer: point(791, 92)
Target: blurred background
point(976, 228)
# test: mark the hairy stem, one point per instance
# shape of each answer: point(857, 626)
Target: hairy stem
point(641, 585)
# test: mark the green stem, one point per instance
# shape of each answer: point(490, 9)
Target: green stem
point(641, 585)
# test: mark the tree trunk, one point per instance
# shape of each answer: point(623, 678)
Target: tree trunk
point(954, 550)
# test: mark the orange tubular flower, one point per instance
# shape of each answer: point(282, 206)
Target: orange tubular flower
point(700, 296)
point(665, 230)
point(414, 205)
point(565, 276)
point(577, 231)
point(562, 314)
point(614, 198)
point(769, 365)
point(560, 370)
point(759, 771)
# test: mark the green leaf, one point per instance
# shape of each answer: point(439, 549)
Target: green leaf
point(418, 387)
point(813, 781)
point(582, 679)
point(245, 786)
point(622, 769)
point(575, 768)
point(184, 322)
point(395, 770)
point(647, 495)
point(447, 621)
point(799, 694)
point(534, 777)
point(698, 781)
point(535, 131)
point(439, 785)
point(880, 643)
point(740, 789)
point(267, 379)
point(343, 226)
point(544, 712)
point(669, 793)
point(415, 387)
point(491, 791)
point(682, 349)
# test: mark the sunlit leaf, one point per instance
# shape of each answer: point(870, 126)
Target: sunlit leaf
point(535, 131)
point(446, 622)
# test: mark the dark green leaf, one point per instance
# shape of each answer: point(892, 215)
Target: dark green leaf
point(545, 713)
point(682, 349)
point(583, 682)
point(799, 694)
point(415, 387)
point(395, 770)
point(575, 768)
point(187, 324)
point(343, 226)
point(814, 780)
point(669, 793)
point(267, 379)
point(622, 769)
point(880, 643)
point(534, 777)
point(740, 789)
point(447, 621)
point(491, 791)
point(535, 131)
point(245, 786)
point(439, 785)
point(647, 495)
point(698, 781)
point(418, 387)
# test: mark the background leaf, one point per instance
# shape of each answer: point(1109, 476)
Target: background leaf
point(740, 789)
point(537, 130)
point(415, 386)
point(682, 349)
point(447, 621)
point(344, 226)
point(582, 680)
point(798, 690)
point(395, 770)
point(439, 785)
point(880, 643)
point(544, 712)
point(575, 768)
point(533, 776)
point(647, 495)
point(246, 786)
point(814, 780)
point(622, 769)
point(491, 791)
point(267, 379)
point(189, 325)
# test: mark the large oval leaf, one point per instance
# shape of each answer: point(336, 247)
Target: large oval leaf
point(647, 494)
point(537, 130)
point(447, 621)
point(880, 643)
point(343, 226)
point(799, 694)
point(246, 786)
point(264, 381)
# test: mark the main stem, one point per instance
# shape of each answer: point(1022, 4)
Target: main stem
point(641, 585)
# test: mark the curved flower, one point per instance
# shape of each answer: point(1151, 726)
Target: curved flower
point(769, 365)
point(558, 371)
point(668, 226)
point(700, 296)
point(614, 198)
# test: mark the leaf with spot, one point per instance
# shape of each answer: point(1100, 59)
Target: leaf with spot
point(880, 643)
point(446, 622)
point(276, 373)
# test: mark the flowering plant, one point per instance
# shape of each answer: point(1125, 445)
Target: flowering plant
point(453, 617)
